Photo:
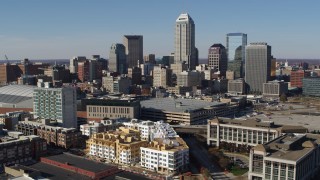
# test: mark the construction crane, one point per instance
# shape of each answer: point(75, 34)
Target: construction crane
point(6, 57)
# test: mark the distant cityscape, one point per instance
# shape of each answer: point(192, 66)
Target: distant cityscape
point(240, 113)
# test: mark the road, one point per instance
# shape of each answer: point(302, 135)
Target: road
point(202, 156)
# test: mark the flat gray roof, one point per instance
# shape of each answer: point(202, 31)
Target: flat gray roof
point(184, 105)
point(290, 146)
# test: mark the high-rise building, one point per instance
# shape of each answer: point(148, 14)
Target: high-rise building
point(236, 43)
point(74, 63)
point(56, 104)
point(217, 58)
point(117, 59)
point(150, 58)
point(134, 49)
point(258, 66)
point(185, 50)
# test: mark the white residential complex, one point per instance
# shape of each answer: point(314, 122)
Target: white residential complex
point(154, 144)
point(165, 155)
point(121, 146)
point(150, 130)
point(94, 127)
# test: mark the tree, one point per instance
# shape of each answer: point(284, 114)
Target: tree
point(283, 97)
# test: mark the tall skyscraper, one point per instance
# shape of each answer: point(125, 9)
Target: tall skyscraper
point(185, 50)
point(117, 59)
point(58, 104)
point(134, 49)
point(217, 58)
point(236, 43)
point(258, 66)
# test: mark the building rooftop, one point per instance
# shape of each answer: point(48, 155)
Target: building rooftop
point(235, 34)
point(178, 105)
point(80, 162)
point(168, 144)
point(56, 173)
point(46, 125)
point(260, 124)
point(290, 147)
point(16, 96)
point(184, 17)
point(133, 36)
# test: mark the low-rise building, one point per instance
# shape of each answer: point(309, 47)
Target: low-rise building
point(236, 86)
point(119, 84)
point(189, 78)
point(185, 111)
point(275, 88)
point(100, 108)
point(311, 86)
point(120, 146)
point(150, 130)
point(179, 90)
point(290, 157)
point(21, 149)
point(57, 136)
point(165, 155)
point(246, 132)
point(95, 127)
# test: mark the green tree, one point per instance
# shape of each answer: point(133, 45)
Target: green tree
point(283, 97)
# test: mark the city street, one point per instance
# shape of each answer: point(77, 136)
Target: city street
point(202, 156)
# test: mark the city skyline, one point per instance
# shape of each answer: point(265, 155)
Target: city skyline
point(61, 30)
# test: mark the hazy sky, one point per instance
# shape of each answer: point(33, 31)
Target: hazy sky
point(57, 29)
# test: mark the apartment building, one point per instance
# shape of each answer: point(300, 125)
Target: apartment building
point(290, 157)
point(94, 127)
point(246, 132)
point(165, 155)
point(57, 104)
point(120, 146)
point(57, 136)
point(61, 137)
point(150, 130)
point(21, 149)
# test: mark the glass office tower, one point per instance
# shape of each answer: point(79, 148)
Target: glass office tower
point(236, 42)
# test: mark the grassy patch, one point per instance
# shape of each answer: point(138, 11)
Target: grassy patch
point(238, 171)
